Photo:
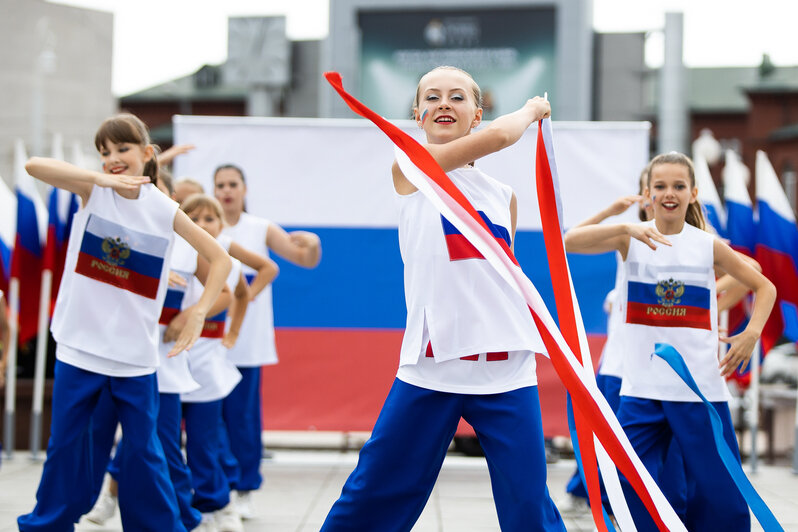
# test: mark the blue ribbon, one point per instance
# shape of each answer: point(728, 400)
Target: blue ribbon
point(755, 502)
point(577, 454)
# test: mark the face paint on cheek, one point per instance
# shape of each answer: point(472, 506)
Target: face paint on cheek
point(424, 116)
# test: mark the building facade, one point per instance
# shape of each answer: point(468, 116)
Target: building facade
point(55, 74)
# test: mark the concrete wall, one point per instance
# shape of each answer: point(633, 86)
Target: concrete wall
point(76, 92)
point(620, 69)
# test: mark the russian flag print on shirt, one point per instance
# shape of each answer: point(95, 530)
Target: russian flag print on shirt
point(174, 300)
point(214, 326)
point(460, 248)
point(117, 255)
point(668, 303)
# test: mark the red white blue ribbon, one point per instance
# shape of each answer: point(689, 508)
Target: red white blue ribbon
point(421, 169)
point(589, 452)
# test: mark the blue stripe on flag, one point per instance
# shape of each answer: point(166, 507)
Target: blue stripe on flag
point(693, 296)
point(27, 225)
point(140, 263)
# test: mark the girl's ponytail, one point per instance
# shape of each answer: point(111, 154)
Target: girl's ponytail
point(695, 215)
point(151, 167)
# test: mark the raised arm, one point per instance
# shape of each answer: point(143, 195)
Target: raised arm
point(730, 290)
point(501, 133)
point(267, 269)
point(601, 238)
point(219, 268)
point(742, 345)
point(615, 208)
point(78, 180)
point(167, 156)
point(238, 310)
point(300, 247)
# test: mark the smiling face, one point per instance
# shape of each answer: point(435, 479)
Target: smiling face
point(670, 191)
point(446, 107)
point(124, 158)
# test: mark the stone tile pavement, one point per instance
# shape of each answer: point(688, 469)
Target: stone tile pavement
point(301, 485)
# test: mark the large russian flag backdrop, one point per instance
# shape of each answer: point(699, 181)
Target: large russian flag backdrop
point(340, 326)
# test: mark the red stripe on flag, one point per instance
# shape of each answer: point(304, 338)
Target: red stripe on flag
point(212, 329)
point(123, 278)
point(675, 316)
point(460, 248)
point(167, 315)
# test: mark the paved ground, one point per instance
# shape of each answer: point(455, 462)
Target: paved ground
point(301, 485)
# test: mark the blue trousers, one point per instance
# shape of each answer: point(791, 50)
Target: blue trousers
point(169, 432)
point(242, 416)
point(203, 451)
point(228, 460)
point(67, 487)
point(714, 502)
point(398, 466)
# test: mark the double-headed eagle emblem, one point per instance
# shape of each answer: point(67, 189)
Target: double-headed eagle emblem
point(116, 251)
point(669, 292)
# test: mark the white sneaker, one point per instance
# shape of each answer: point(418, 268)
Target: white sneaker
point(572, 505)
point(104, 509)
point(243, 504)
point(208, 524)
point(228, 520)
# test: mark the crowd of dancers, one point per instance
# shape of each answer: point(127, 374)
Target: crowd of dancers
point(164, 319)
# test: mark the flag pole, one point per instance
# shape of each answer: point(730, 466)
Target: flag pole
point(11, 373)
point(754, 417)
point(41, 363)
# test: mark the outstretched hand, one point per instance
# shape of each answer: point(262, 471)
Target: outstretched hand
point(175, 279)
point(740, 348)
point(647, 235)
point(189, 333)
point(621, 204)
point(121, 183)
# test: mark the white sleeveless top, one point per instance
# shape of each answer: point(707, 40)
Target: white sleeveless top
point(614, 349)
point(670, 298)
point(173, 374)
point(457, 302)
point(208, 359)
point(255, 345)
point(114, 282)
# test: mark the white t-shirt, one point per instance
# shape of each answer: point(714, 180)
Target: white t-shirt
point(255, 346)
point(208, 359)
point(670, 298)
point(174, 375)
point(614, 349)
point(457, 302)
point(114, 281)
